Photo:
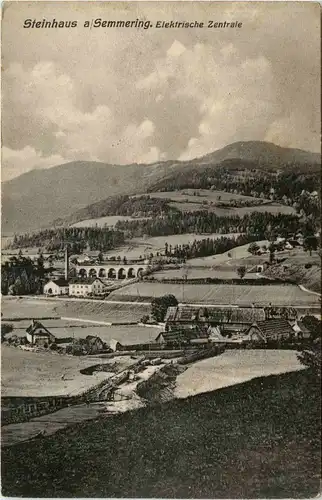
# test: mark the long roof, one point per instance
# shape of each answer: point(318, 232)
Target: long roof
point(84, 281)
point(220, 315)
point(272, 327)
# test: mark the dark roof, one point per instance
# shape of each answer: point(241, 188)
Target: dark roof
point(84, 281)
point(35, 325)
point(220, 315)
point(60, 282)
point(272, 327)
point(93, 338)
point(184, 335)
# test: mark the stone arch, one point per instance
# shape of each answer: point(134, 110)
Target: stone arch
point(82, 273)
point(131, 273)
point(121, 274)
point(102, 273)
point(111, 273)
point(140, 272)
point(92, 273)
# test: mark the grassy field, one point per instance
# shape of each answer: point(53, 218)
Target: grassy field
point(282, 295)
point(206, 199)
point(195, 272)
point(234, 367)
point(40, 374)
point(187, 195)
point(259, 439)
point(102, 311)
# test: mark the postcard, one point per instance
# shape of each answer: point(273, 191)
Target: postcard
point(161, 249)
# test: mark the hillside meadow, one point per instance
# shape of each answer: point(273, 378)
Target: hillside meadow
point(258, 439)
point(281, 295)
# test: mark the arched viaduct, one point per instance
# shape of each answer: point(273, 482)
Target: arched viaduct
point(111, 271)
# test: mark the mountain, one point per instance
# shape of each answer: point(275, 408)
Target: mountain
point(33, 200)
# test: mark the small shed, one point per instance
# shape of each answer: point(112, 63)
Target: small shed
point(38, 334)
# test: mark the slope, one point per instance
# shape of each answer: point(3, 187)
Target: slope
point(35, 199)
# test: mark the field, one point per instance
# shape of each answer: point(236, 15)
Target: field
point(101, 311)
point(282, 295)
point(187, 195)
point(259, 439)
point(206, 199)
point(26, 373)
point(233, 367)
point(222, 272)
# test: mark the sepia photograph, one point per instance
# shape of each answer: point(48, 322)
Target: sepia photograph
point(161, 249)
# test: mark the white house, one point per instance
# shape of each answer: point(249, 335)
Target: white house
point(56, 287)
point(81, 287)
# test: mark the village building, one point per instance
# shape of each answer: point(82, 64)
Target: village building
point(272, 330)
point(233, 318)
point(95, 344)
point(37, 334)
point(58, 286)
point(81, 287)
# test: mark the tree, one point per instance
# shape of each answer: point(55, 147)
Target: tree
point(253, 248)
point(310, 243)
point(241, 271)
point(313, 325)
point(271, 249)
point(311, 358)
point(159, 306)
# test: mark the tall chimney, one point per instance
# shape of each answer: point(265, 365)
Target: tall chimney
point(66, 264)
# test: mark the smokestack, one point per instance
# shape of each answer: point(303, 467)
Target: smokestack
point(66, 264)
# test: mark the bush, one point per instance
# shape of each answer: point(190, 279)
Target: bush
point(5, 329)
point(308, 265)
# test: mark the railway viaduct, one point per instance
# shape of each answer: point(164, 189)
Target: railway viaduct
point(116, 271)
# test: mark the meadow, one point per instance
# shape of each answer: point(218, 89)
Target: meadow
point(258, 439)
point(234, 367)
point(281, 295)
point(33, 308)
point(26, 373)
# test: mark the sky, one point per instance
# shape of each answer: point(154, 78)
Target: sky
point(129, 95)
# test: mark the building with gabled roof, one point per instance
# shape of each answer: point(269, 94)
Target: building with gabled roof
point(57, 286)
point(80, 287)
point(37, 334)
point(270, 330)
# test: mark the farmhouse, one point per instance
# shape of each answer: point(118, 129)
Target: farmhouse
point(37, 334)
point(181, 336)
point(56, 287)
point(270, 330)
point(81, 287)
point(95, 344)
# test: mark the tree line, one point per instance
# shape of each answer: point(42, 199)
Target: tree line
point(21, 276)
point(78, 239)
point(207, 246)
point(200, 222)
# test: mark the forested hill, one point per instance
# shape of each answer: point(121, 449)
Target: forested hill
point(33, 200)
